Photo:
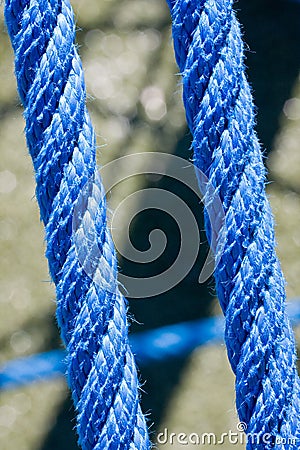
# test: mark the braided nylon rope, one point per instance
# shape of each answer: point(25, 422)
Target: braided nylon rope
point(249, 281)
point(61, 141)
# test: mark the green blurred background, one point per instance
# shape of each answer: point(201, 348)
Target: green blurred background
point(134, 97)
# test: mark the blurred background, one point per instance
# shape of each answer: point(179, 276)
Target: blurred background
point(134, 98)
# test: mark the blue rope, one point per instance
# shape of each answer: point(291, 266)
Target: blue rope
point(29, 369)
point(150, 346)
point(250, 285)
point(101, 368)
point(249, 282)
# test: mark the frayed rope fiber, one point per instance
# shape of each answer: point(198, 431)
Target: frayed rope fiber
point(249, 281)
point(101, 368)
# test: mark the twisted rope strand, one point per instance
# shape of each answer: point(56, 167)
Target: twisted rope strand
point(249, 282)
point(101, 368)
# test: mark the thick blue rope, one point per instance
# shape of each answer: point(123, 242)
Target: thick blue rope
point(249, 281)
point(60, 137)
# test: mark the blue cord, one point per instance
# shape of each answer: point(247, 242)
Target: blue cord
point(156, 345)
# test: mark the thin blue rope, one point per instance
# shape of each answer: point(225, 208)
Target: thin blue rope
point(150, 346)
point(249, 282)
point(29, 369)
point(101, 368)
